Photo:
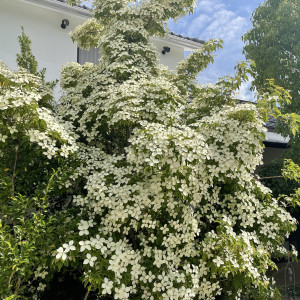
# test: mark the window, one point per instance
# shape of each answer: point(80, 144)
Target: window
point(91, 55)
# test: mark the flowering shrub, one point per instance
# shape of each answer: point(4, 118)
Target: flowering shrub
point(171, 208)
point(33, 142)
point(164, 200)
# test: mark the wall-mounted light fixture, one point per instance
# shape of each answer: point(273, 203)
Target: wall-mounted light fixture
point(64, 23)
point(165, 50)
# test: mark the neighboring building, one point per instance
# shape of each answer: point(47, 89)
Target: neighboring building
point(52, 45)
point(275, 144)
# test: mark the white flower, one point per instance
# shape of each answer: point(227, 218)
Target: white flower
point(218, 261)
point(83, 227)
point(61, 253)
point(122, 292)
point(39, 273)
point(69, 247)
point(89, 260)
point(3, 138)
point(84, 245)
point(107, 285)
point(41, 287)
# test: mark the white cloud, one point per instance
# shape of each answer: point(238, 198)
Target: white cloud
point(216, 21)
point(219, 19)
point(201, 22)
point(244, 92)
point(209, 6)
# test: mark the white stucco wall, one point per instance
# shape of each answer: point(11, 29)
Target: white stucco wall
point(51, 44)
point(171, 58)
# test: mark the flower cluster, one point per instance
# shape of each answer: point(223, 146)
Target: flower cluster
point(20, 114)
point(62, 251)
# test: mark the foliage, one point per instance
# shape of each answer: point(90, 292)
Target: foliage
point(274, 44)
point(271, 101)
point(291, 171)
point(25, 58)
point(32, 142)
point(27, 61)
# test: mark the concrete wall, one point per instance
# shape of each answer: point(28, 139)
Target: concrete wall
point(51, 45)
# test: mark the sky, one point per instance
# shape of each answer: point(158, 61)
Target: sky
point(228, 20)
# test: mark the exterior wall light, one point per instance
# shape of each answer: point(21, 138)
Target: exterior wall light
point(165, 50)
point(64, 23)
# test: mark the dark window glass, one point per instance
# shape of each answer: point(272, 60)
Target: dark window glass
point(91, 55)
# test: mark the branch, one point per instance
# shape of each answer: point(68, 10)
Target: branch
point(14, 170)
point(271, 177)
point(18, 286)
point(128, 133)
point(11, 277)
point(87, 294)
point(148, 24)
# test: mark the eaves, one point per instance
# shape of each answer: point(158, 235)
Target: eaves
point(60, 7)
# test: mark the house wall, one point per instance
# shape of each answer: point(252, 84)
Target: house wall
point(271, 153)
point(275, 145)
point(51, 45)
point(171, 58)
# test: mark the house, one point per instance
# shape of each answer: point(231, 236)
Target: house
point(48, 23)
point(275, 144)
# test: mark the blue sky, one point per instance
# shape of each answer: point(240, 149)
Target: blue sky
point(228, 20)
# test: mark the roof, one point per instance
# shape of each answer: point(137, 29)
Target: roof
point(271, 136)
point(83, 11)
point(62, 6)
point(81, 6)
point(196, 40)
point(188, 43)
point(275, 138)
point(271, 124)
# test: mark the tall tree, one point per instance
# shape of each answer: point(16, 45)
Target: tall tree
point(274, 44)
point(167, 202)
point(25, 58)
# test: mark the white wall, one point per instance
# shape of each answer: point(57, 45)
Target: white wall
point(52, 45)
point(171, 58)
